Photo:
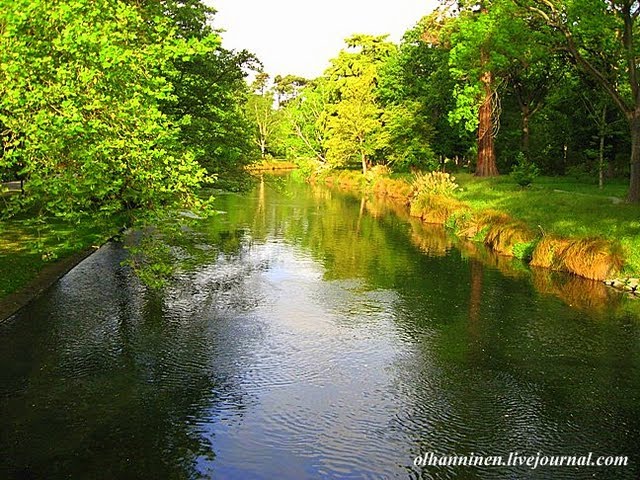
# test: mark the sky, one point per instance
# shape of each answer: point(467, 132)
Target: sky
point(300, 36)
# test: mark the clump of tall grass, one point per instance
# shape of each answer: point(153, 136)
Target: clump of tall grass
point(498, 231)
point(594, 258)
point(376, 172)
point(434, 183)
point(436, 208)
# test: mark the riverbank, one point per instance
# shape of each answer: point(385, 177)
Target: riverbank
point(35, 254)
point(40, 281)
point(271, 165)
point(558, 223)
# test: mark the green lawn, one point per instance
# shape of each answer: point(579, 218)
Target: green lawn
point(561, 206)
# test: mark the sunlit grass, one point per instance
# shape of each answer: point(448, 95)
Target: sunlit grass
point(562, 207)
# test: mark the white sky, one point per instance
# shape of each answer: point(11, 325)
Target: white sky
point(301, 36)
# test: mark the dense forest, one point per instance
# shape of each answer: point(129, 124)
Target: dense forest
point(109, 106)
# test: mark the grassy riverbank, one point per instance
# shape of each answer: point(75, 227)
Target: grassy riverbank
point(563, 207)
point(565, 212)
point(27, 246)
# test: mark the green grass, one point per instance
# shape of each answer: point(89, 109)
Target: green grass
point(27, 246)
point(561, 206)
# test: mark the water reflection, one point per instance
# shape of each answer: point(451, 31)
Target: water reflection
point(309, 334)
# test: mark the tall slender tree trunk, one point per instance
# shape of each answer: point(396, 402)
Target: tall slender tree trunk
point(634, 182)
point(486, 166)
point(363, 158)
point(526, 115)
point(603, 126)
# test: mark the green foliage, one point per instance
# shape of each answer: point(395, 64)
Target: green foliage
point(80, 88)
point(524, 250)
point(209, 100)
point(407, 133)
point(306, 118)
point(524, 172)
point(416, 89)
point(354, 124)
point(582, 173)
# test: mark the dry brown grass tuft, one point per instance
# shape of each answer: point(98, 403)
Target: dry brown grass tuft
point(593, 258)
point(548, 252)
point(436, 208)
point(502, 231)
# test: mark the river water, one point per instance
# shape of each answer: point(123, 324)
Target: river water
point(311, 334)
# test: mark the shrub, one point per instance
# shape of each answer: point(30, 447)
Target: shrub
point(524, 172)
point(377, 172)
point(582, 172)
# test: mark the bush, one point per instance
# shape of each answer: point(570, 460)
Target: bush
point(583, 173)
point(524, 172)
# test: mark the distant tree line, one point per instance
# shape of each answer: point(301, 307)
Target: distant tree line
point(488, 85)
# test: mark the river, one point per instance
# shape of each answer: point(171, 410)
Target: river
point(313, 334)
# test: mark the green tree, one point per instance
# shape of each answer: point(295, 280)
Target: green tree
point(80, 88)
point(266, 119)
point(600, 36)
point(355, 123)
point(210, 93)
point(477, 101)
point(288, 88)
point(307, 122)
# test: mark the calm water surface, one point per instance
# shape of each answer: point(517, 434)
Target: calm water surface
point(313, 335)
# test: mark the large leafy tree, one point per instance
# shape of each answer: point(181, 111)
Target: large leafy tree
point(265, 119)
point(209, 91)
point(477, 95)
point(601, 38)
point(306, 118)
point(80, 87)
point(416, 90)
point(355, 123)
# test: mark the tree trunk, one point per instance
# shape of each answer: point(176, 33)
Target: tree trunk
point(526, 115)
point(603, 126)
point(634, 182)
point(363, 158)
point(486, 166)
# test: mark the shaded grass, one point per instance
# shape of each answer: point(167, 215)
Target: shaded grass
point(28, 245)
